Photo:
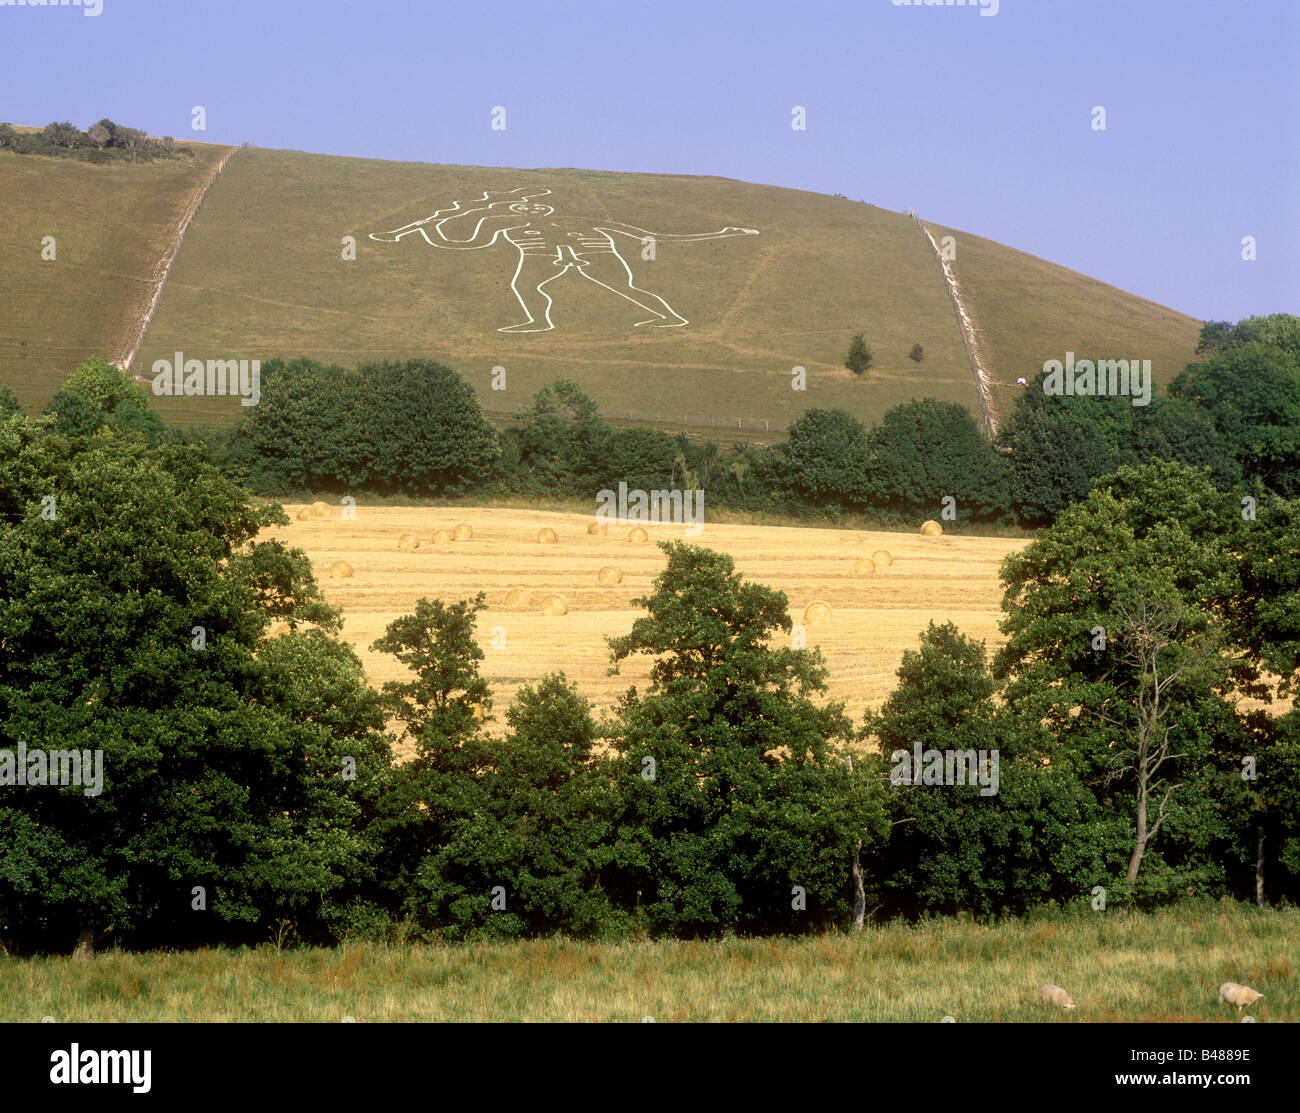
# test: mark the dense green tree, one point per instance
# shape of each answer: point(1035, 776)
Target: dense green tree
point(429, 435)
point(1052, 458)
point(134, 608)
point(439, 711)
point(988, 848)
point(1251, 392)
point(641, 458)
point(308, 432)
point(539, 835)
point(561, 442)
point(63, 134)
point(1140, 589)
point(926, 450)
point(1278, 330)
point(829, 453)
point(735, 789)
point(1174, 429)
point(98, 396)
point(72, 415)
point(1277, 817)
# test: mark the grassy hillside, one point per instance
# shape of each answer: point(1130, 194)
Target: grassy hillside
point(1161, 967)
point(111, 224)
point(1028, 310)
point(261, 274)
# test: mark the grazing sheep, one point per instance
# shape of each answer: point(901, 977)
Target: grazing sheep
point(1055, 995)
point(1239, 995)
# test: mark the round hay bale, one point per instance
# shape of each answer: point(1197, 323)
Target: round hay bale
point(546, 536)
point(864, 567)
point(597, 529)
point(304, 514)
point(931, 529)
point(440, 537)
point(518, 597)
point(555, 605)
point(341, 570)
point(408, 541)
point(462, 532)
point(882, 558)
point(320, 510)
point(609, 575)
point(815, 613)
point(638, 534)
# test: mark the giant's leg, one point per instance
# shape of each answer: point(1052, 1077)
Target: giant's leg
point(608, 269)
point(527, 283)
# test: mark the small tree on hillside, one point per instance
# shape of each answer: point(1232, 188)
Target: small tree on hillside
point(859, 358)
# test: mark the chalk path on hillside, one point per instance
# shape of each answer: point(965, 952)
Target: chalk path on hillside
point(983, 382)
point(163, 268)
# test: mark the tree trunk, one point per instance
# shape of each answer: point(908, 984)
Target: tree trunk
point(1259, 865)
point(859, 895)
point(85, 947)
point(1139, 847)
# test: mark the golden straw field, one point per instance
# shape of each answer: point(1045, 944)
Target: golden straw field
point(874, 616)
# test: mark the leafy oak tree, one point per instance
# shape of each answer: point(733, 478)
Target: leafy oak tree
point(829, 453)
point(925, 450)
point(989, 848)
point(428, 433)
point(134, 611)
point(529, 858)
point(307, 432)
point(560, 444)
point(1145, 590)
point(98, 396)
point(1251, 392)
point(739, 810)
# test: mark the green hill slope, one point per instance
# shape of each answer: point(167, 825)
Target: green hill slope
point(111, 224)
point(1028, 310)
point(262, 274)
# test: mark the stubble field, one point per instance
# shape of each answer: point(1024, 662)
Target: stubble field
point(873, 619)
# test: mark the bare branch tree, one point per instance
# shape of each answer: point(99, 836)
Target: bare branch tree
point(1149, 631)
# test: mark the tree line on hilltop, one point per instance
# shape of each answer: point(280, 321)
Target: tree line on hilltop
point(104, 141)
point(250, 779)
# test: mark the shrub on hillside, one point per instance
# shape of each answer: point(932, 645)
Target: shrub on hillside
point(859, 357)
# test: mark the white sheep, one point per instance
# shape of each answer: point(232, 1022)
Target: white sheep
point(1239, 995)
point(1055, 995)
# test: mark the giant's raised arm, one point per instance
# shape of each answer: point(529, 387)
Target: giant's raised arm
point(619, 227)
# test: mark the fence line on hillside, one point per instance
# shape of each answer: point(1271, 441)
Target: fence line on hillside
point(670, 417)
point(163, 268)
point(983, 382)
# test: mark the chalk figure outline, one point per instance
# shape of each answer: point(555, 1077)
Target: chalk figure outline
point(549, 249)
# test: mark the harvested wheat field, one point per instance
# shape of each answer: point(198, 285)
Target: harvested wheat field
point(862, 624)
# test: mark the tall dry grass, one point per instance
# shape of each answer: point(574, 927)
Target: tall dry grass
point(1165, 966)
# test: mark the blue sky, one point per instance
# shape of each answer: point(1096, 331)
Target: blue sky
point(980, 122)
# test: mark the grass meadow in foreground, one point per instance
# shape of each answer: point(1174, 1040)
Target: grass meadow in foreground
point(1165, 966)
